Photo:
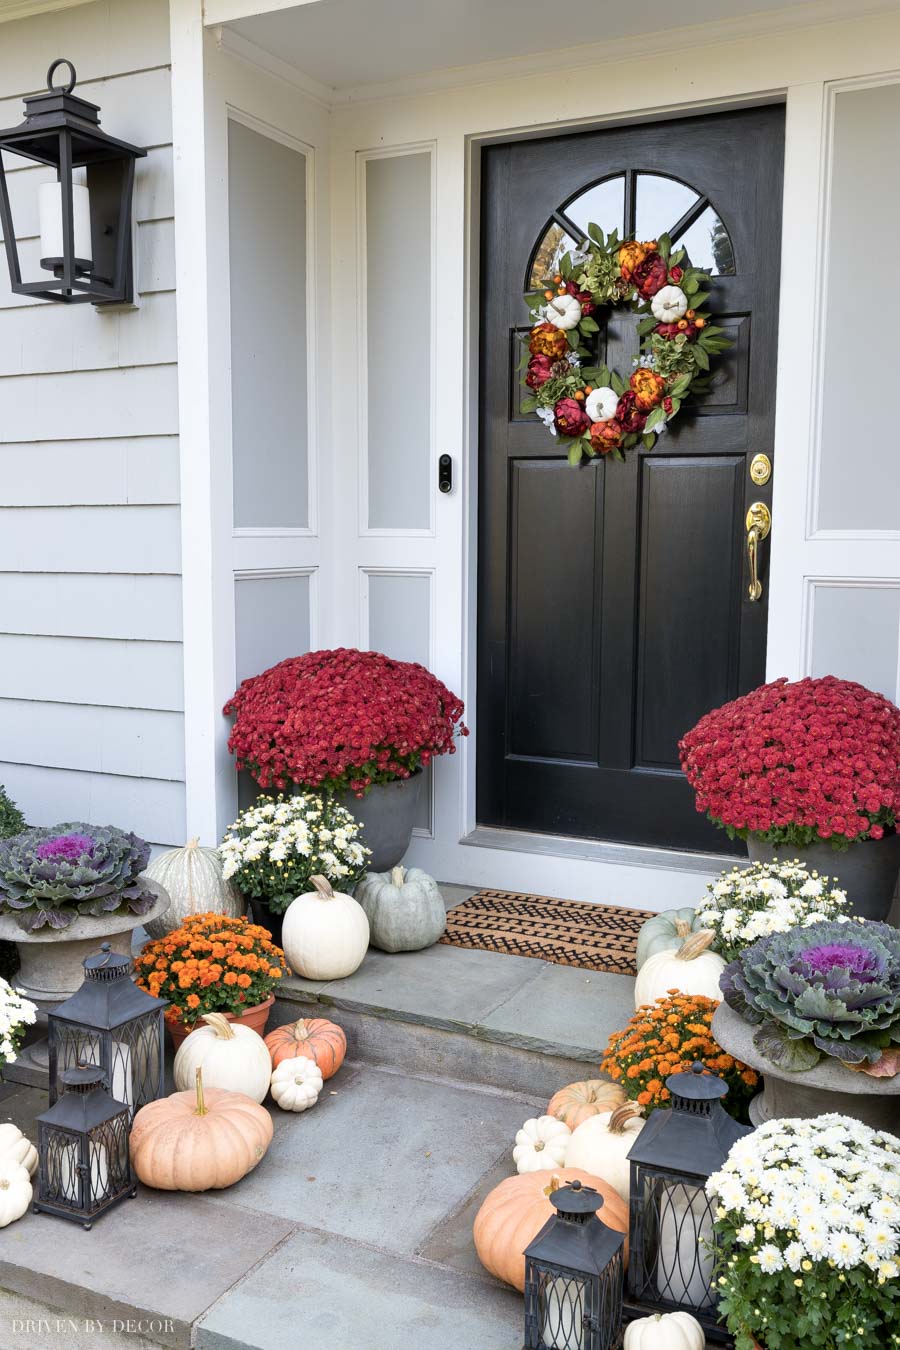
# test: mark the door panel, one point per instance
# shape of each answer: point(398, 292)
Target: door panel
point(613, 605)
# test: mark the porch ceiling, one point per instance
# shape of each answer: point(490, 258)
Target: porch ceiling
point(347, 45)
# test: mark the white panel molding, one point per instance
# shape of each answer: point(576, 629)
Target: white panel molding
point(832, 90)
point(365, 572)
point(311, 572)
point(812, 584)
point(362, 361)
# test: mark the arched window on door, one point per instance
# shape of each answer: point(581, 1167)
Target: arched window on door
point(642, 205)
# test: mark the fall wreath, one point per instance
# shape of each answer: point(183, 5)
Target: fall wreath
point(590, 407)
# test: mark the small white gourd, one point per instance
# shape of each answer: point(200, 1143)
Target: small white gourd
point(563, 311)
point(692, 969)
point(600, 1145)
point(296, 1084)
point(192, 878)
point(665, 1331)
point(541, 1143)
point(17, 1147)
point(15, 1191)
point(325, 934)
point(231, 1056)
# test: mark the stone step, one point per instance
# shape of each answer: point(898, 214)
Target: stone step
point(508, 1022)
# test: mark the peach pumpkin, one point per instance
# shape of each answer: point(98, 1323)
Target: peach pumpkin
point(579, 1101)
point(514, 1212)
point(199, 1140)
point(312, 1038)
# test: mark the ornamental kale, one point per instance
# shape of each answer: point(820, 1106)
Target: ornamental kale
point(55, 876)
point(833, 989)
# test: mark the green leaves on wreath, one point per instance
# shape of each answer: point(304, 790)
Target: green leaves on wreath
point(700, 357)
point(597, 235)
point(654, 418)
point(616, 383)
point(664, 246)
point(589, 325)
point(648, 439)
point(575, 453)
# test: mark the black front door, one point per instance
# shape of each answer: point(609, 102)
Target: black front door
point(613, 599)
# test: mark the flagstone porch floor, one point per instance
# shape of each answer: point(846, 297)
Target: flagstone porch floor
point(354, 1233)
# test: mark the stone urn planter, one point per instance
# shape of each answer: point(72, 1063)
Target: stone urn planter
point(830, 1086)
point(867, 870)
point(52, 959)
point(255, 1018)
point(388, 813)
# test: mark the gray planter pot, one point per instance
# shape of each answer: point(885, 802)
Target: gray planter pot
point(867, 871)
point(828, 1087)
point(388, 813)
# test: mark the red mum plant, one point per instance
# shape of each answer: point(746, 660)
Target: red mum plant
point(341, 720)
point(793, 763)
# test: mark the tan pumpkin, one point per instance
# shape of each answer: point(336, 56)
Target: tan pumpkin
point(192, 877)
point(199, 1140)
point(579, 1101)
point(514, 1212)
point(312, 1038)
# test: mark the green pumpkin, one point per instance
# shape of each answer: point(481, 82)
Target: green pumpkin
point(665, 932)
point(405, 909)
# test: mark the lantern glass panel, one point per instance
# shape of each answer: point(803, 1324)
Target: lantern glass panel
point(670, 1264)
point(84, 1163)
point(130, 1056)
point(564, 1305)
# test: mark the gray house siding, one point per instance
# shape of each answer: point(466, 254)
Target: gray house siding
point(91, 721)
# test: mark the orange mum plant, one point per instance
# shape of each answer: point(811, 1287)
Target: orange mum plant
point(667, 1037)
point(212, 963)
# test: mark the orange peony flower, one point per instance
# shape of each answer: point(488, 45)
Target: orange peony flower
point(548, 340)
point(649, 389)
point(631, 255)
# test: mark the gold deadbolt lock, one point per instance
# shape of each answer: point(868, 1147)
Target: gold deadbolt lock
point(760, 469)
point(759, 523)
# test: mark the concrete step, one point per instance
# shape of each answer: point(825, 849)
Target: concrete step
point(509, 1022)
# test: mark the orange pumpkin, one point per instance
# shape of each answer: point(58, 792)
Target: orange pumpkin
point(310, 1038)
point(579, 1101)
point(199, 1141)
point(514, 1213)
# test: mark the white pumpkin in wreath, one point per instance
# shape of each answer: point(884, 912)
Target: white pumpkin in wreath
point(564, 311)
point(541, 1143)
point(296, 1084)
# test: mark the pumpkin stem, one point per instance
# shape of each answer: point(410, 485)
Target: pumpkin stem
point(220, 1025)
point(555, 1183)
point(695, 945)
point(193, 843)
point(323, 886)
point(622, 1114)
point(398, 876)
point(202, 1108)
point(682, 928)
point(299, 1030)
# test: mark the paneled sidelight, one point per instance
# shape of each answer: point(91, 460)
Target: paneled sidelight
point(854, 632)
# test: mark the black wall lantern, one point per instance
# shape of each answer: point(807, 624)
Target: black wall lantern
point(574, 1271)
point(112, 1023)
point(85, 216)
point(84, 1165)
point(671, 1218)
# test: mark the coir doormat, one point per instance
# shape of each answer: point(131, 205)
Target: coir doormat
point(568, 932)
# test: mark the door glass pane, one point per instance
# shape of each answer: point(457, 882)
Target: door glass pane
point(267, 234)
point(660, 203)
point(603, 205)
point(708, 244)
point(550, 250)
point(271, 621)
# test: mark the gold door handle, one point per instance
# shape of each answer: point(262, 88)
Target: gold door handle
point(758, 523)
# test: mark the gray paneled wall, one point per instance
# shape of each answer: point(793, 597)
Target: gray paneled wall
point(91, 722)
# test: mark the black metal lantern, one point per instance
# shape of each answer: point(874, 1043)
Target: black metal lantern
point(112, 1023)
point(671, 1218)
point(85, 225)
point(84, 1165)
point(573, 1276)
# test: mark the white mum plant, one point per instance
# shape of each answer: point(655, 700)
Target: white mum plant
point(808, 1232)
point(16, 1013)
point(276, 845)
point(751, 902)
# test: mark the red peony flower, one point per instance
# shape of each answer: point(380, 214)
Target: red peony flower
point(628, 415)
point(675, 275)
point(583, 298)
point(667, 330)
point(797, 762)
point(540, 369)
point(341, 720)
point(650, 276)
point(667, 404)
point(606, 436)
point(571, 418)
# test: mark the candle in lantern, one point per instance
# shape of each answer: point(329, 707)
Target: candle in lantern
point(69, 1175)
point(563, 1314)
point(51, 218)
point(684, 1263)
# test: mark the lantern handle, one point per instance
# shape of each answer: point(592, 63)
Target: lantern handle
point(65, 88)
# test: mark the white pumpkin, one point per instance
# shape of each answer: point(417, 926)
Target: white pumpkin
point(600, 1145)
point(541, 1143)
point(601, 404)
point(231, 1057)
point(692, 969)
point(192, 876)
point(665, 1331)
point(296, 1084)
point(325, 934)
point(16, 1147)
point(669, 304)
point(15, 1191)
point(563, 311)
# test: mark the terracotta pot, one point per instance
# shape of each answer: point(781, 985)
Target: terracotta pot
point(255, 1018)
